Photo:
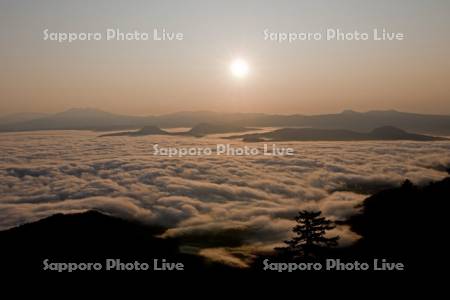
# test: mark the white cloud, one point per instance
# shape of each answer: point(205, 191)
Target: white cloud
point(244, 201)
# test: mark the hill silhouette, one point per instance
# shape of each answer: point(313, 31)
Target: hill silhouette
point(95, 119)
point(203, 129)
point(78, 119)
point(405, 224)
point(147, 130)
point(385, 133)
point(198, 130)
point(86, 237)
point(408, 223)
point(20, 117)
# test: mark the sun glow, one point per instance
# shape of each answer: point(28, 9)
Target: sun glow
point(239, 68)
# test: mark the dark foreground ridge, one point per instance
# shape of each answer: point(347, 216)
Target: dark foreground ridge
point(91, 236)
point(405, 224)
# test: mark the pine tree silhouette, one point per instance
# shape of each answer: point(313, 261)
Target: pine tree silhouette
point(310, 235)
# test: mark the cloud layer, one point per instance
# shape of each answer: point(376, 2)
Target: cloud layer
point(220, 204)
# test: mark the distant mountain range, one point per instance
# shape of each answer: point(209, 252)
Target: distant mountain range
point(93, 119)
point(386, 133)
point(21, 117)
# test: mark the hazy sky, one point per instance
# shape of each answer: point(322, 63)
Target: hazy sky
point(153, 77)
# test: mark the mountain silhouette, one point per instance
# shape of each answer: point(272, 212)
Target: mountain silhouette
point(90, 236)
point(393, 133)
point(211, 128)
point(407, 223)
point(20, 117)
point(196, 131)
point(78, 119)
point(94, 119)
point(314, 134)
point(147, 130)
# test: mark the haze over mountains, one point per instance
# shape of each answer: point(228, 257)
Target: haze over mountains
point(198, 130)
point(385, 133)
point(94, 119)
point(21, 117)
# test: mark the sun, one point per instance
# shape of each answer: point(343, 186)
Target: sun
point(239, 68)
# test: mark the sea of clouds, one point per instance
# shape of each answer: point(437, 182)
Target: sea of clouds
point(225, 206)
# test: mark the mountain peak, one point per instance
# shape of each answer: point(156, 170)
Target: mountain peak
point(388, 130)
point(384, 112)
point(348, 112)
point(151, 129)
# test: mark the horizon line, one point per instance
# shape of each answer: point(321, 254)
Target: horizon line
point(90, 108)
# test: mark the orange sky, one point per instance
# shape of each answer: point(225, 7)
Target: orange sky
point(149, 77)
